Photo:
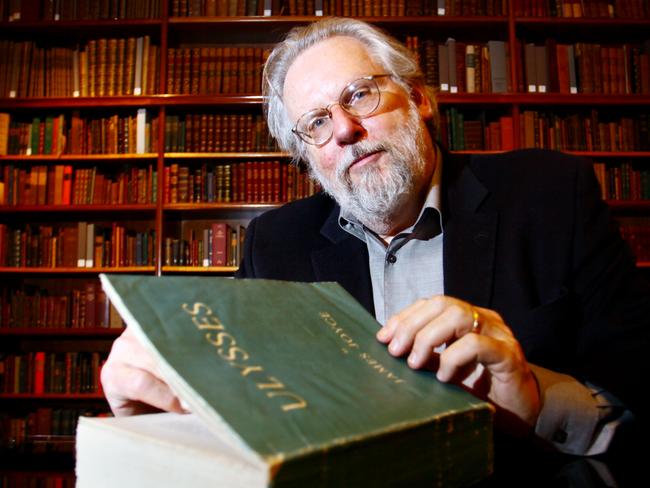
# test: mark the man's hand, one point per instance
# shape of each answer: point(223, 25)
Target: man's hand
point(506, 379)
point(130, 381)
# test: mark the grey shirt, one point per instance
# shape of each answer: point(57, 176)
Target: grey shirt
point(396, 268)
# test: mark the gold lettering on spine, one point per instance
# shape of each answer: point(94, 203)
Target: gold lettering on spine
point(274, 385)
point(299, 403)
point(246, 370)
point(236, 357)
point(350, 344)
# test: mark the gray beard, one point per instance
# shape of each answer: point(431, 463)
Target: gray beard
point(377, 197)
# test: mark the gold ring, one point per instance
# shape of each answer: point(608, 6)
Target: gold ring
point(476, 325)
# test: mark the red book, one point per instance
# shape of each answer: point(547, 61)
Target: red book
point(39, 372)
point(219, 244)
point(507, 134)
point(66, 192)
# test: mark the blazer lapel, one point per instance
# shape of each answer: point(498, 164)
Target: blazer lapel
point(344, 261)
point(469, 234)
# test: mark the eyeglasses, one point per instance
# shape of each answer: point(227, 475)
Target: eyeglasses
point(359, 99)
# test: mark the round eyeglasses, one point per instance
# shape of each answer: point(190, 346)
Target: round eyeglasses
point(359, 99)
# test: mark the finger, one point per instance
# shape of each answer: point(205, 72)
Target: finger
point(490, 324)
point(455, 321)
point(412, 320)
point(132, 390)
point(470, 350)
point(127, 349)
point(387, 332)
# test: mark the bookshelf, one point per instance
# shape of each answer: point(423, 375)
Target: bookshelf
point(158, 177)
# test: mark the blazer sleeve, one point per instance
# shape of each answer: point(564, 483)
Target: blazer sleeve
point(614, 334)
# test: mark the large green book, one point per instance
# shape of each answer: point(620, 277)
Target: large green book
point(288, 387)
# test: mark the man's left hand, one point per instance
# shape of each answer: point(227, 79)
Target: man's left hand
point(473, 336)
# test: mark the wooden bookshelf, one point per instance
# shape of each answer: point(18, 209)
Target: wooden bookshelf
point(54, 332)
point(182, 220)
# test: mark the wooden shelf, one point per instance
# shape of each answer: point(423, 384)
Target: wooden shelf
point(611, 154)
point(83, 25)
point(117, 208)
point(580, 99)
point(38, 158)
point(198, 269)
point(227, 155)
point(67, 332)
point(75, 271)
point(244, 100)
point(643, 205)
point(52, 396)
point(144, 101)
point(219, 206)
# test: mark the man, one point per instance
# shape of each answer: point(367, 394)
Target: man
point(502, 273)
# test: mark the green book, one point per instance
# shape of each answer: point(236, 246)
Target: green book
point(288, 387)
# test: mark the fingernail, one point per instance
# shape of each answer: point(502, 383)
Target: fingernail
point(413, 359)
point(395, 346)
point(382, 335)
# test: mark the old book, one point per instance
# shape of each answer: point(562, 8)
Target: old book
point(288, 386)
point(530, 60)
point(450, 43)
point(498, 66)
point(443, 63)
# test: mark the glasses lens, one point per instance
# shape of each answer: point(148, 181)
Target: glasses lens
point(360, 97)
point(315, 127)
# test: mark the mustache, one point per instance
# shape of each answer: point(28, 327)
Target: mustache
point(355, 152)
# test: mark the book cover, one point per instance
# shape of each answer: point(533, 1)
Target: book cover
point(498, 68)
point(288, 385)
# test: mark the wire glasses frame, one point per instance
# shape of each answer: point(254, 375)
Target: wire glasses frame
point(360, 98)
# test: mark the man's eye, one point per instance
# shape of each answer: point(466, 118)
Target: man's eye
point(317, 123)
point(358, 95)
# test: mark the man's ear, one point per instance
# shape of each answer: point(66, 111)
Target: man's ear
point(419, 96)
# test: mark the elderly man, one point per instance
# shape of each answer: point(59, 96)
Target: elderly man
point(502, 273)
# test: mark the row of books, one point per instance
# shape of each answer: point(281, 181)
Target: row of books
point(460, 67)
point(104, 68)
point(67, 185)
point(59, 134)
point(623, 181)
point(215, 70)
point(42, 430)
point(637, 233)
point(96, 68)
point(52, 10)
point(584, 132)
point(217, 133)
point(99, 10)
point(50, 372)
point(464, 132)
point(587, 68)
point(634, 9)
point(82, 307)
point(346, 8)
point(206, 244)
point(84, 245)
point(245, 182)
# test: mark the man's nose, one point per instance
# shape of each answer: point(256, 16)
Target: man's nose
point(347, 128)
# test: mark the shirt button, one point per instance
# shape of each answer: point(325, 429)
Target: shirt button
point(560, 436)
point(391, 258)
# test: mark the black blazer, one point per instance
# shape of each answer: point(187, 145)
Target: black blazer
point(525, 234)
